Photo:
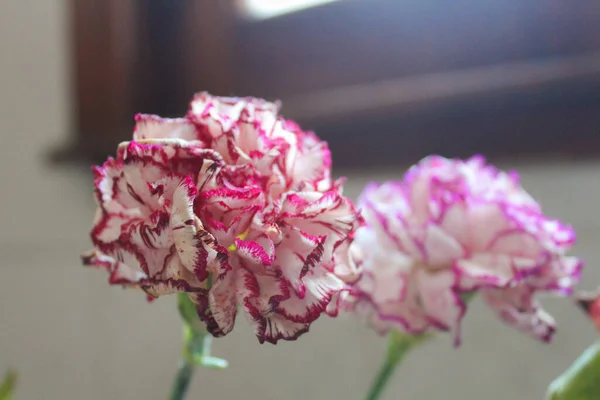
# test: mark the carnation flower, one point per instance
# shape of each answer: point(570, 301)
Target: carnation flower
point(233, 205)
point(452, 228)
point(589, 301)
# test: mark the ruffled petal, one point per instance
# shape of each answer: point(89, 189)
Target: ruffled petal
point(259, 252)
point(297, 255)
point(120, 273)
point(222, 303)
point(489, 270)
point(260, 296)
point(440, 301)
point(155, 127)
point(221, 113)
point(517, 307)
point(320, 286)
point(312, 163)
point(486, 222)
point(440, 248)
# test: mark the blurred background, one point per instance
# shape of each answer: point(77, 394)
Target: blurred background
point(385, 82)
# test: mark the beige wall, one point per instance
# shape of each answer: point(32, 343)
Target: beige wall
point(34, 104)
point(73, 337)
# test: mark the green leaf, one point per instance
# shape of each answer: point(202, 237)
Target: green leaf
point(8, 385)
point(582, 380)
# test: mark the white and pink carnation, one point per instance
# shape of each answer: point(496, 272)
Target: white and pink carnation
point(450, 229)
point(233, 205)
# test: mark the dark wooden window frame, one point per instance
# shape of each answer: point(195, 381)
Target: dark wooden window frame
point(383, 81)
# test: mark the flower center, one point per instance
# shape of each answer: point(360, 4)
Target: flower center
point(241, 236)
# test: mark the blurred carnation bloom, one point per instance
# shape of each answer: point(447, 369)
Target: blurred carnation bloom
point(450, 229)
point(233, 205)
point(590, 303)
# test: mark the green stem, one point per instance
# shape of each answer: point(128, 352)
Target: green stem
point(182, 380)
point(398, 346)
point(193, 344)
point(196, 349)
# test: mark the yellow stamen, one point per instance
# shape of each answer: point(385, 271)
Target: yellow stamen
point(241, 236)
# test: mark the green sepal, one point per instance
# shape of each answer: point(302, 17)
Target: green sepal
point(211, 362)
point(196, 341)
point(581, 381)
point(188, 313)
point(196, 349)
point(468, 296)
